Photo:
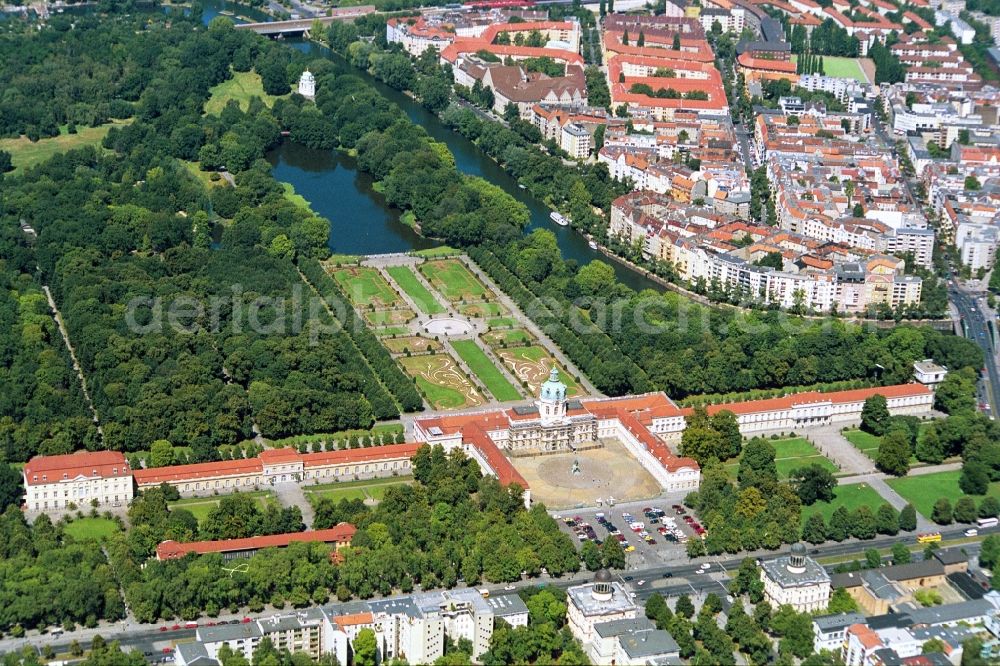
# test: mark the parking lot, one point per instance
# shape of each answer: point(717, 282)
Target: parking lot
point(652, 533)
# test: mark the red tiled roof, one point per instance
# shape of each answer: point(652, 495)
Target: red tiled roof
point(94, 464)
point(340, 535)
point(237, 467)
point(157, 475)
point(836, 397)
point(504, 469)
point(387, 452)
point(868, 638)
point(783, 66)
point(279, 455)
point(353, 619)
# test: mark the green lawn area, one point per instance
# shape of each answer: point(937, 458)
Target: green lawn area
point(25, 153)
point(441, 381)
point(533, 365)
point(366, 287)
point(371, 489)
point(486, 370)
point(454, 280)
point(843, 68)
point(483, 310)
point(924, 490)
point(392, 330)
point(501, 322)
point(241, 87)
point(201, 506)
point(204, 176)
point(297, 199)
point(790, 454)
point(851, 497)
point(415, 289)
point(513, 336)
point(868, 443)
point(865, 442)
point(432, 252)
point(91, 528)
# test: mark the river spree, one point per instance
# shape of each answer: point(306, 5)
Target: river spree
point(361, 222)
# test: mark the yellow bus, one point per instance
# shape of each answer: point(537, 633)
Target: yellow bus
point(930, 537)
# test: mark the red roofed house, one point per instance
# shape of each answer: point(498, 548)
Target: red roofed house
point(340, 536)
point(56, 482)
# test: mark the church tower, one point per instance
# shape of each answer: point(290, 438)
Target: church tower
point(552, 401)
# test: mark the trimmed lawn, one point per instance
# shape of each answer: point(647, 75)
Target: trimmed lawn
point(850, 496)
point(483, 310)
point(373, 489)
point(366, 287)
point(485, 369)
point(502, 322)
point(415, 289)
point(337, 494)
point(790, 454)
point(533, 365)
point(441, 381)
point(842, 68)
point(25, 153)
point(924, 490)
point(392, 330)
point(868, 443)
point(413, 344)
point(388, 317)
point(242, 87)
point(865, 442)
point(454, 280)
point(514, 336)
point(440, 251)
point(201, 506)
point(796, 447)
point(91, 528)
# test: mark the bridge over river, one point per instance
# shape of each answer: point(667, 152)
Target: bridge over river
point(302, 26)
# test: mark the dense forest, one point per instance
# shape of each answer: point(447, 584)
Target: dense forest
point(84, 82)
point(453, 523)
point(46, 578)
point(177, 339)
point(42, 408)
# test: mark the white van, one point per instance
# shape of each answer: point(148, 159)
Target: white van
point(971, 532)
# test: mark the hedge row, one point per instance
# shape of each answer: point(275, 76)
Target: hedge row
point(398, 384)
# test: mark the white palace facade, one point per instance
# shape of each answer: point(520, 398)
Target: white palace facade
point(646, 425)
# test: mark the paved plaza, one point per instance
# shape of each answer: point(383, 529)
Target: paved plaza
point(606, 471)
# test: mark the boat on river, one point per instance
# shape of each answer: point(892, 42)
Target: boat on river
point(559, 219)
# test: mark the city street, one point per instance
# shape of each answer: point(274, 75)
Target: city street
point(975, 326)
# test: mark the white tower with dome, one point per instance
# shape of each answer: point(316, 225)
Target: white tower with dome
point(307, 85)
point(552, 400)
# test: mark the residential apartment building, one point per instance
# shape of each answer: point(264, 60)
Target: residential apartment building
point(408, 627)
point(592, 604)
point(78, 479)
